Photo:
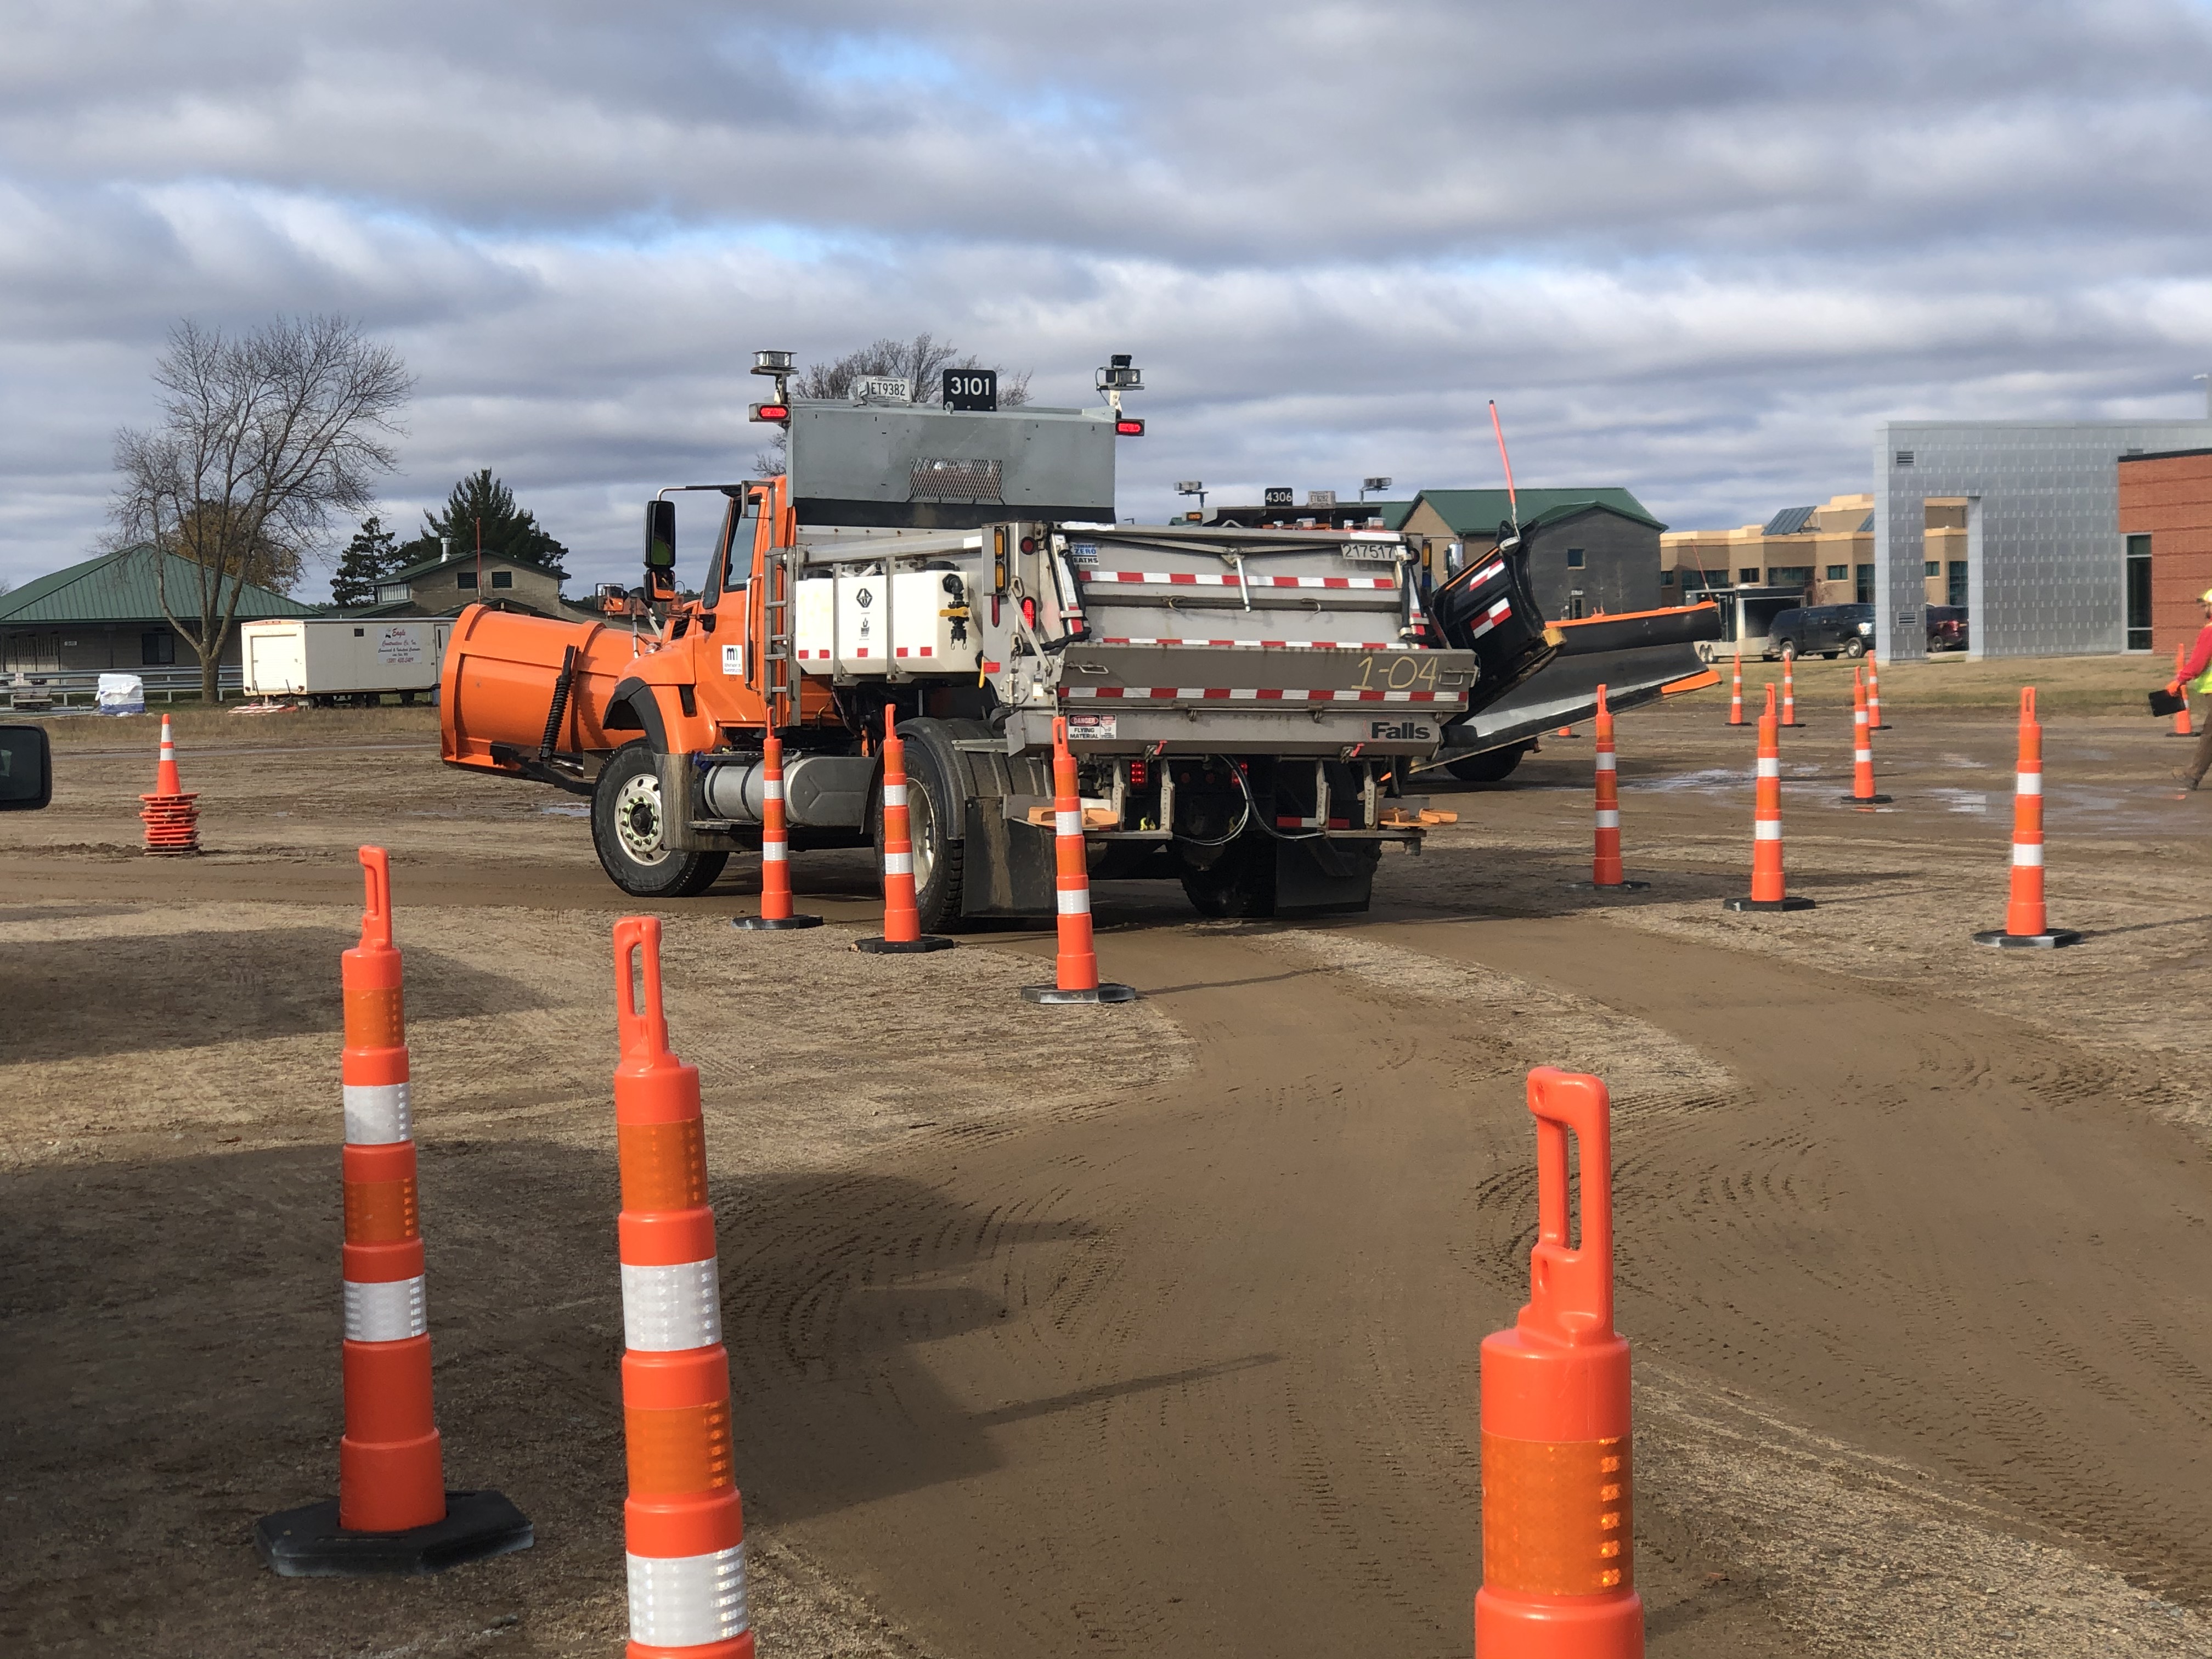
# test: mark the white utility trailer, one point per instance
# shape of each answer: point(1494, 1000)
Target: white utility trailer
point(328, 660)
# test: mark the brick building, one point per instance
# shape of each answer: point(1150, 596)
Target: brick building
point(2166, 517)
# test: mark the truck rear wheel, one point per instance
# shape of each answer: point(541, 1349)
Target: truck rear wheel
point(1241, 883)
point(627, 822)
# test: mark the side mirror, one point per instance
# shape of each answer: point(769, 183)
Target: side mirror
point(26, 768)
point(659, 535)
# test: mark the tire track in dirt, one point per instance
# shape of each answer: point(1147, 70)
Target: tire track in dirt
point(1957, 1244)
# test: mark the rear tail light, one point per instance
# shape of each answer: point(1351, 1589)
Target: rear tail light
point(1127, 428)
point(771, 412)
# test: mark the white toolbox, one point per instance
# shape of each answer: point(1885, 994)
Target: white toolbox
point(841, 625)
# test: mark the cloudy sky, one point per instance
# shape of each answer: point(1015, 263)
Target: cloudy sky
point(1697, 249)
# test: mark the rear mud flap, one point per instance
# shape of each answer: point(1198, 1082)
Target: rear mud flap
point(1009, 866)
point(1323, 878)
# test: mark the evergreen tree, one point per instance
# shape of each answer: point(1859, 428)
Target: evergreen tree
point(371, 555)
point(509, 530)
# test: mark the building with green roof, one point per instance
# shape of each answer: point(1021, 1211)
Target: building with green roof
point(105, 615)
point(1591, 551)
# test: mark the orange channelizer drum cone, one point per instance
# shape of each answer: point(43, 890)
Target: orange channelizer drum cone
point(394, 1514)
point(1075, 968)
point(1875, 721)
point(684, 1526)
point(2182, 728)
point(1559, 1547)
point(1605, 859)
point(1769, 891)
point(2026, 926)
point(1789, 692)
point(172, 817)
point(775, 848)
point(1862, 791)
point(901, 916)
point(1735, 690)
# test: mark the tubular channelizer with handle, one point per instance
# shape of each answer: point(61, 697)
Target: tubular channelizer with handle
point(394, 1514)
point(1605, 857)
point(1769, 885)
point(683, 1527)
point(775, 911)
point(1075, 966)
point(1863, 790)
point(1559, 1568)
point(901, 931)
point(1735, 690)
point(2026, 925)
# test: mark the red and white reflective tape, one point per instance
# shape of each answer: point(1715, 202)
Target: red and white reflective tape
point(1261, 694)
point(1271, 645)
point(1194, 578)
point(1496, 614)
point(1495, 567)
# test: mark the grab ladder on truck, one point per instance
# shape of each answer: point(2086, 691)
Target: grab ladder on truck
point(778, 659)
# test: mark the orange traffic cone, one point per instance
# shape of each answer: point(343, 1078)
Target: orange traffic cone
point(775, 910)
point(1605, 857)
point(1559, 1547)
point(172, 817)
point(684, 1526)
point(1769, 889)
point(901, 931)
point(1075, 968)
point(2181, 726)
point(1875, 721)
point(1862, 792)
point(1735, 690)
point(1565, 731)
point(2026, 926)
point(392, 1514)
point(1789, 692)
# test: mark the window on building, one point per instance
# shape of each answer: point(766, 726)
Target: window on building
point(502, 579)
point(2138, 592)
point(1863, 585)
point(1840, 572)
point(157, 648)
point(1748, 574)
point(464, 579)
point(1905, 458)
point(1932, 568)
point(1788, 576)
point(1666, 579)
point(1954, 582)
point(1574, 558)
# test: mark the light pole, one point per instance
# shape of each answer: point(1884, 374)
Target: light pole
point(1193, 487)
point(1366, 485)
point(2207, 378)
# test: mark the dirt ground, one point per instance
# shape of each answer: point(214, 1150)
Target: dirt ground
point(1151, 1329)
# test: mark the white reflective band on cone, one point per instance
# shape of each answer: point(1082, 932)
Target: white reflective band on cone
point(1766, 829)
point(1067, 823)
point(775, 852)
point(377, 1113)
point(687, 1601)
point(2027, 783)
point(1608, 819)
point(1769, 767)
point(1864, 757)
point(898, 864)
point(1075, 902)
point(390, 1312)
point(1605, 763)
point(2024, 853)
point(894, 794)
point(668, 1310)
point(771, 788)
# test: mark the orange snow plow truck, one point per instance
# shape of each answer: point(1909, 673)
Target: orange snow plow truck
point(1246, 707)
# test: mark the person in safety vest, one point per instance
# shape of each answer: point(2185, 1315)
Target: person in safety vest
point(2196, 673)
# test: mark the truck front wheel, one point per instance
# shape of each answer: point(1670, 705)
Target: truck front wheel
point(628, 821)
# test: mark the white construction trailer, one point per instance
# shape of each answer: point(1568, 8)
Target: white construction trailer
point(333, 659)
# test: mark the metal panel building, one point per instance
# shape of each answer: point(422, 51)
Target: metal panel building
point(2046, 565)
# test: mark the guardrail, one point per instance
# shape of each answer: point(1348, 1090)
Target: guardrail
point(64, 690)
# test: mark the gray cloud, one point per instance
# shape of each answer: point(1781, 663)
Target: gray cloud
point(1699, 249)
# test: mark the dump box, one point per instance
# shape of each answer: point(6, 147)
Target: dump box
point(334, 657)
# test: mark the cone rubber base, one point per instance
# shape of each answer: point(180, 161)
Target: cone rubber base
point(2191, 735)
point(764, 924)
point(1885, 726)
point(1793, 902)
point(1609, 886)
point(901, 947)
point(308, 1543)
point(1108, 991)
point(2051, 940)
point(1865, 800)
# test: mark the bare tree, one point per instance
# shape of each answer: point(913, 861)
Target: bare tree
point(920, 362)
point(263, 437)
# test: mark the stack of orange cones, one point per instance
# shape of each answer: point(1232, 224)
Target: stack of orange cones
point(171, 816)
